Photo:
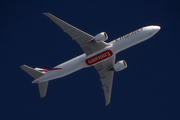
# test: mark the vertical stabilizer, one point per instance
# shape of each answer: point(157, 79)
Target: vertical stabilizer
point(43, 88)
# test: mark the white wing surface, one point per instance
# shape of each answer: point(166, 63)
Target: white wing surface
point(80, 36)
point(106, 76)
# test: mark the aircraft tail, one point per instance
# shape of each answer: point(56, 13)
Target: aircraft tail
point(36, 73)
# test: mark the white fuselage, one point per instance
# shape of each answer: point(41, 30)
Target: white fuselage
point(113, 48)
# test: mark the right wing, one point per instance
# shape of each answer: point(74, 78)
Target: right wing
point(80, 36)
point(106, 76)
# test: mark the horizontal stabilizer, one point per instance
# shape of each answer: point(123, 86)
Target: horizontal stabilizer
point(43, 88)
point(34, 73)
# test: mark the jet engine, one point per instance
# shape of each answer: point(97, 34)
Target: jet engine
point(100, 37)
point(120, 65)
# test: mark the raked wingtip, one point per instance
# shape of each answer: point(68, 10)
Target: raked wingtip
point(46, 13)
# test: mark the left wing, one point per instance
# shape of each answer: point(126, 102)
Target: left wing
point(106, 76)
point(80, 36)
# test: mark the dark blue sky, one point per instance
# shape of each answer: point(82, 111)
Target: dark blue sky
point(147, 90)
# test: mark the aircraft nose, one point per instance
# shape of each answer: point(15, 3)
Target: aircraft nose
point(156, 28)
point(153, 29)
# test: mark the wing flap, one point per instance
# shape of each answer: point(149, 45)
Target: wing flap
point(107, 85)
point(74, 32)
point(80, 36)
point(106, 77)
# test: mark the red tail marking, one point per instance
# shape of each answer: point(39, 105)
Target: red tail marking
point(45, 70)
point(55, 69)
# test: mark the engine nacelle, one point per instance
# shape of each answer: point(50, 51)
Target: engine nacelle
point(100, 37)
point(120, 65)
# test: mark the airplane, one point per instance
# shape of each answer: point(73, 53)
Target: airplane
point(97, 53)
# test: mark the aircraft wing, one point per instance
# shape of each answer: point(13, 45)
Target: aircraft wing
point(80, 36)
point(106, 76)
